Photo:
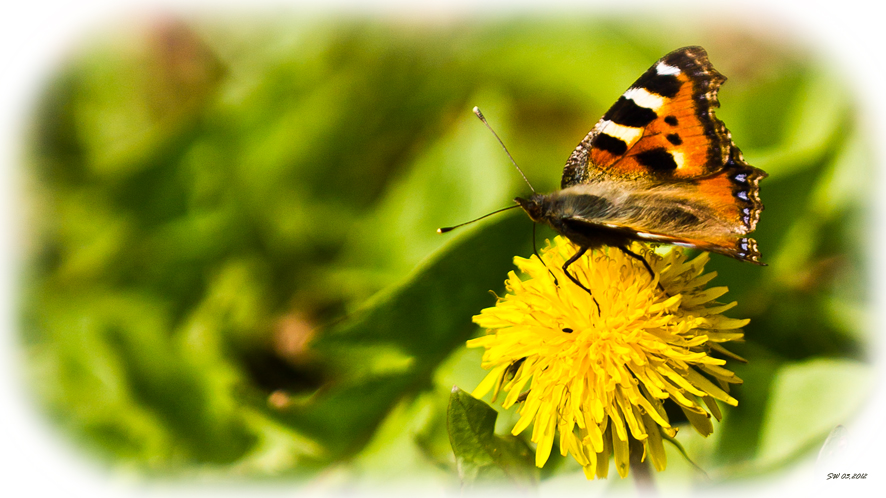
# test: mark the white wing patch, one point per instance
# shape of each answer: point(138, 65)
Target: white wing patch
point(644, 98)
point(664, 69)
point(627, 134)
point(678, 158)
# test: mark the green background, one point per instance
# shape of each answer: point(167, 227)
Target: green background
point(233, 270)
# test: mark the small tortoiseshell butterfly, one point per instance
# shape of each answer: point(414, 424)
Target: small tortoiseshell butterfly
point(658, 167)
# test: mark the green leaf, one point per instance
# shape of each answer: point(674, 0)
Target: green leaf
point(482, 456)
point(808, 400)
point(685, 455)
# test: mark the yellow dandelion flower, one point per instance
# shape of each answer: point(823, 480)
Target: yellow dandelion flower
point(596, 370)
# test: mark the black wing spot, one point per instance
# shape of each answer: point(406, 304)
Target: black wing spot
point(659, 160)
point(671, 120)
point(675, 139)
point(626, 112)
point(666, 85)
point(610, 144)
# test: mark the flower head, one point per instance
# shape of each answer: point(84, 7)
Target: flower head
point(596, 368)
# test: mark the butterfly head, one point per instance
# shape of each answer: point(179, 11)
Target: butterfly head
point(533, 207)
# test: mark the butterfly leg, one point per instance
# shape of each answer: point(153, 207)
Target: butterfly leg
point(642, 260)
point(535, 251)
point(571, 260)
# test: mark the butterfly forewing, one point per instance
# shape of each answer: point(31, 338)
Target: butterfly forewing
point(663, 125)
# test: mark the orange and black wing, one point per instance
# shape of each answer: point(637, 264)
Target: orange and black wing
point(715, 212)
point(663, 126)
point(663, 131)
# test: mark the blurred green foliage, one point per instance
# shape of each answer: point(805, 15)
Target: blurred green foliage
point(234, 269)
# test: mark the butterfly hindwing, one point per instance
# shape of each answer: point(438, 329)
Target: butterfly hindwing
point(712, 213)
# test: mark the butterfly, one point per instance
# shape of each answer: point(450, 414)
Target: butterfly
point(658, 167)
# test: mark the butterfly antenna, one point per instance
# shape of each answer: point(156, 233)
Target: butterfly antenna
point(449, 229)
point(483, 118)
